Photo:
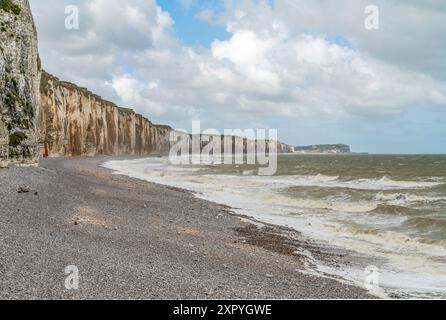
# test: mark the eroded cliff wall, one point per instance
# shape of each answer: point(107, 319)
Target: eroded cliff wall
point(76, 122)
point(19, 84)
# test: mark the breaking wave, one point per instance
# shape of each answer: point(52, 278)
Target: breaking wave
point(403, 198)
point(391, 219)
point(324, 181)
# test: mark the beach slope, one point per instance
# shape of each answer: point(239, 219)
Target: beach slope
point(131, 239)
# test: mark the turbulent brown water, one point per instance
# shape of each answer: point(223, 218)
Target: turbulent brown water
point(411, 187)
point(389, 206)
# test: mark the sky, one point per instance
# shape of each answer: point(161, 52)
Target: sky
point(308, 68)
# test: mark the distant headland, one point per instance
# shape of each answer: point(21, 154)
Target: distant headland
point(324, 148)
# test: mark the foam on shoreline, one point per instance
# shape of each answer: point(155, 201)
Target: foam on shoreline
point(417, 264)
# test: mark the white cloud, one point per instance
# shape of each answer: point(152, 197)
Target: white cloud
point(127, 89)
point(205, 15)
point(271, 64)
point(248, 55)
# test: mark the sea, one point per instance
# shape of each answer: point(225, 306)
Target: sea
point(391, 208)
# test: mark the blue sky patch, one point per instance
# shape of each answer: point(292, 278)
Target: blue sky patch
point(188, 28)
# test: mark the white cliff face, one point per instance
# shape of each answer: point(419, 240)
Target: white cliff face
point(76, 122)
point(19, 84)
point(41, 115)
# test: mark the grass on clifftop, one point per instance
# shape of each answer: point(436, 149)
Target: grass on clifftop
point(9, 6)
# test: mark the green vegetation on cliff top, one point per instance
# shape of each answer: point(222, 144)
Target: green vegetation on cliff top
point(9, 6)
point(45, 82)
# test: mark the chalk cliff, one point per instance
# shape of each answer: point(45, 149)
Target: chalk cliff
point(76, 122)
point(19, 84)
point(324, 148)
point(41, 115)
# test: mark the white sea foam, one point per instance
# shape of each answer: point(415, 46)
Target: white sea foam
point(386, 183)
point(412, 264)
point(324, 181)
point(404, 198)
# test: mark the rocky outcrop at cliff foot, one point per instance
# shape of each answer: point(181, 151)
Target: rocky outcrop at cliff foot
point(19, 84)
point(76, 122)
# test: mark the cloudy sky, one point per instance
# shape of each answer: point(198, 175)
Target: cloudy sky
point(309, 68)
